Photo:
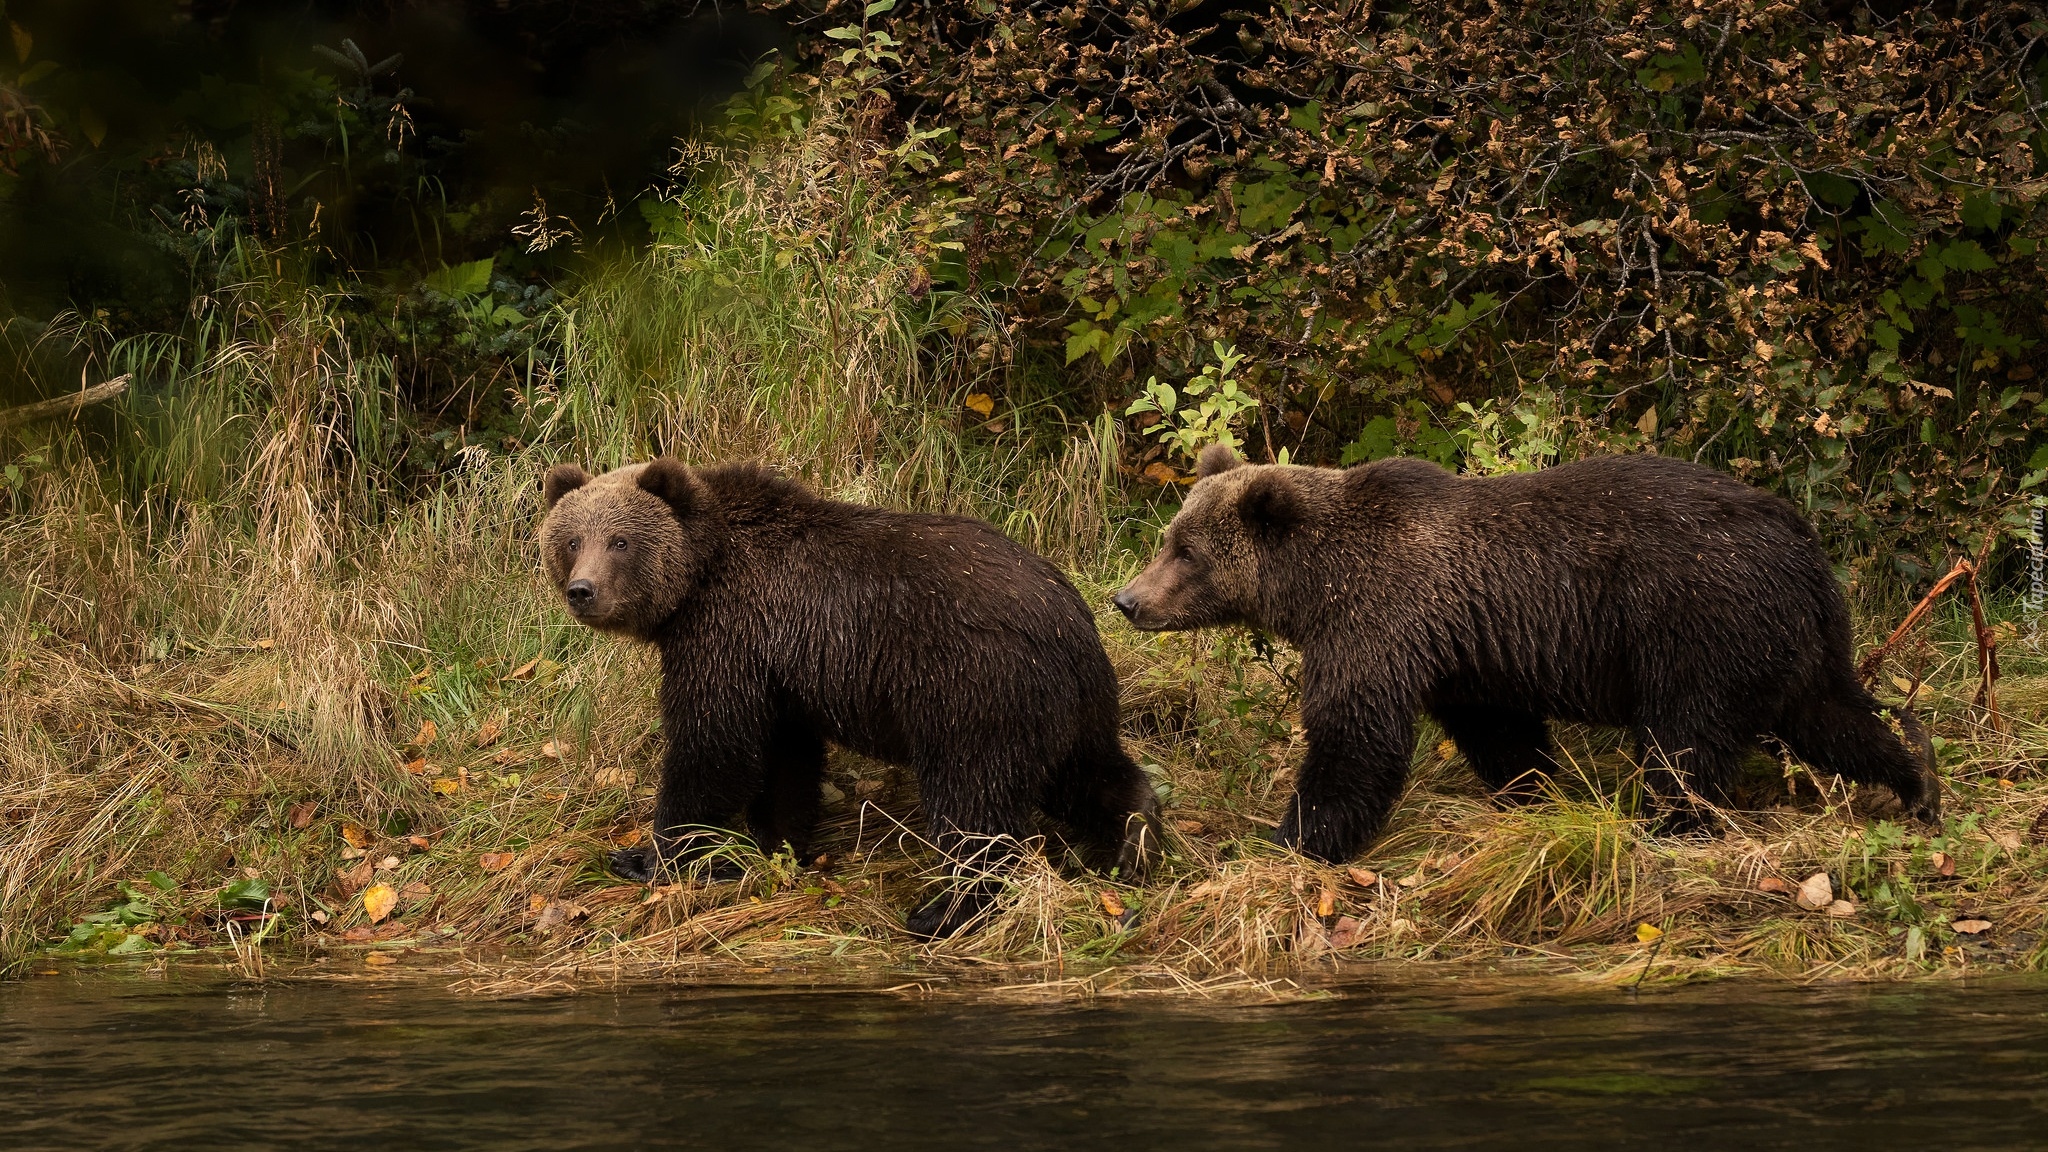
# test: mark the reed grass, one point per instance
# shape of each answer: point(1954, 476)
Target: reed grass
point(236, 649)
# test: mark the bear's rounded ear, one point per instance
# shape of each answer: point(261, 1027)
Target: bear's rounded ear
point(671, 480)
point(1271, 503)
point(1215, 458)
point(561, 480)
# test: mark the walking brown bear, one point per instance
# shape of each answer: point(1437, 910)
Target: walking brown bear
point(1632, 591)
point(785, 620)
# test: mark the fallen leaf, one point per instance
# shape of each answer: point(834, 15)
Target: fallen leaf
point(427, 734)
point(354, 853)
point(2010, 841)
point(1410, 881)
point(353, 880)
point(419, 842)
point(1646, 932)
point(1400, 926)
point(494, 861)
point(1774, 885)
point(488, 734)
point(355, 836)
point(1350, 931)
point(551, 750)
point(266, 644)
point(360, 934)
point(1903, 685)
point(1363, 877)
point(507, 757)
point(380, 959)
point(1161, 473)
point(1841, 908)
point(982, 404)
point(1112, 904)
point(630, 838)
point(555, 913)
point(417, 765)
point(1944, 864)
point(319, 916)
point(1445, 749)
point(524, 671)
point(1972, 927)
point(388, 864)
point(1815, 892)
point(301, 815)
point(379, 900)
point(1326, 903)
point(1190, 827)
point(416, 891)
point(447, 787)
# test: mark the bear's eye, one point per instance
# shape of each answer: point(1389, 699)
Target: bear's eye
point(576, 543)
point(619, 544)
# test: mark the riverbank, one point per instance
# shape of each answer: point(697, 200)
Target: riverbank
point(268, 688)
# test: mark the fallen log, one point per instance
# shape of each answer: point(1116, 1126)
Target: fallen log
point(44, 409)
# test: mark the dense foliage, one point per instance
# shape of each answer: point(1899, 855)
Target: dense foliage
point(1798, 240)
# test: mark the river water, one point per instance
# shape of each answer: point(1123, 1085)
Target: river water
point(92, 1061)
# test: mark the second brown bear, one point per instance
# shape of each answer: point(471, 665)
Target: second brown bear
point(1633, 591)
point(785, 620)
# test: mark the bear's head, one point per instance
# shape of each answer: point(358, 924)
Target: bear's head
point(625, 548)
point(1208, 569)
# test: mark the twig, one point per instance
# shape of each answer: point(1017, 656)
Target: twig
point(1965, 572)
point(44, 409)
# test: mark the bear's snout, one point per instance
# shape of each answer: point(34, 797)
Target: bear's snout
point(1126, 602)
point(581, 594)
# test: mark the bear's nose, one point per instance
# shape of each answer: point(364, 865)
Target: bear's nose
point(580, 593)
point(1126, 604)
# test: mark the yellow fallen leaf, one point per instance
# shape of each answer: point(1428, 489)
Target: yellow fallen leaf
point(1646, 932)
point(380, 959)
point(1445, 749)
point(1972, 927)
point(427, 734)
point(1112, 904)
point(1326, 903)
point(447, 787)
point(266, 644)
point(983, 404)
point(524, 671)
point(1161, 473)
point(1902, 684)
point(494, 861)
point(355, 836)
point(379, 900)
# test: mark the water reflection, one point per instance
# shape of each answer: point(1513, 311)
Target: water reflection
point(90, 1061)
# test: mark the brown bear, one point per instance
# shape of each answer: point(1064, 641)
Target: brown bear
point(785, 620)
point(1631, 591)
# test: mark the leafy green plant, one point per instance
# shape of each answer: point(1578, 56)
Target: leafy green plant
point(1206, 410)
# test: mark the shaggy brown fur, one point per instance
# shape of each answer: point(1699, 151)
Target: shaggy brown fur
point(1633, 591)
point(785, 620)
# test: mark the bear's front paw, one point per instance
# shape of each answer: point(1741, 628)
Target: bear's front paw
point(634, 864)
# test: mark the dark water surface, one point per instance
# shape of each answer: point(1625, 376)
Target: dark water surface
point(88, 1061)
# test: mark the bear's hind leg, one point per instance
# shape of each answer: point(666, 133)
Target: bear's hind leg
point(979, 816)
point(1688, 772)
point(1106, 799)
point(1844, 734)
point(1508, 749)
point(785, 813)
